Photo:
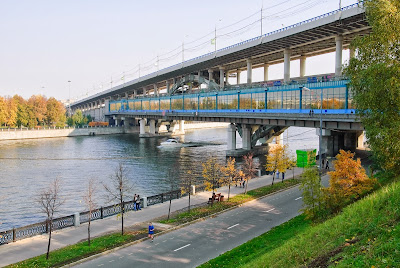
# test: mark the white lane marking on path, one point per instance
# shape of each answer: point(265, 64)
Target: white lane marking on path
point(111, 261)
point(298, 198)
point(232, 226)
point(130, 253)
point(164, 241)
point(182, 247)
point(100, 265)
point(156, 244)
point(269, 210)
point(121, 257)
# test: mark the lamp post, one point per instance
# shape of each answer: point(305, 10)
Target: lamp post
point(69, 98)
point(320, 131)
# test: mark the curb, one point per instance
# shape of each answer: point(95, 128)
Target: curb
point(172, 229)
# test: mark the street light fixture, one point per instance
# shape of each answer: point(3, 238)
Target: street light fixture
point(69, 98)
point(320, 131)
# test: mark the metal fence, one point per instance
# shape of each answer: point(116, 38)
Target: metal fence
point(99, 213)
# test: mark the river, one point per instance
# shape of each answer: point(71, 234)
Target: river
point(28, 166)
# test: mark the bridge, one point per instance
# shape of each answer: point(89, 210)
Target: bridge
point(199, 89)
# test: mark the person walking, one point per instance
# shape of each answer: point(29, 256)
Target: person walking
point(134, 202)
point(138, 203)
point(151, 231)
point(327, 164)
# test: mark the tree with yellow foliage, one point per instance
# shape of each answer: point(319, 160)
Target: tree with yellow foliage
point(212, 174)
point(348, 181)
point(278, 159)
point(230, 172)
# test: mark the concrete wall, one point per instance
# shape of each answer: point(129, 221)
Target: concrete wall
point(18, 134)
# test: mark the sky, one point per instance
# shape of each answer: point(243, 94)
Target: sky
point(46, 43)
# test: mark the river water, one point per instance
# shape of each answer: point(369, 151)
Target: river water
point(28, 166)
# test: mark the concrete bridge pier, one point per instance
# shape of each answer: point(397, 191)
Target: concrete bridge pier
point(152, 130)
point(246, 137)
point(231, 145)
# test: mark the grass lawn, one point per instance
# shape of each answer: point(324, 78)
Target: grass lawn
point(206, 210)
point(365, 234)
point(81, 250)
point(265, 243)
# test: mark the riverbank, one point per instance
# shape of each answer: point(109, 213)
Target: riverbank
point(35, 246)
point(55, 132)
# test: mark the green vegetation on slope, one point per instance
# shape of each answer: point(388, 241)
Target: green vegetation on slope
point(263, 244)
point(365, 234)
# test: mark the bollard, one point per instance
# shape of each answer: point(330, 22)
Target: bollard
point(77, 220)
point(192, 189)
point(259, 173)
point(144, 200)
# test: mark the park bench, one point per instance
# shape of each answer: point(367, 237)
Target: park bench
point(217, 198)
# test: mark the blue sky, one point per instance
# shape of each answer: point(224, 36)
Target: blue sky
point(46, 43)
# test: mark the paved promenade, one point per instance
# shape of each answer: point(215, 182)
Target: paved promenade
point(37, 245)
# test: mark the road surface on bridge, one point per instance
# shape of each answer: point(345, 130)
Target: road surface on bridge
point(197, 243)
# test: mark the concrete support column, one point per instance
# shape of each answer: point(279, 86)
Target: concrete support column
point(116, 121)
point(152, 126)
point(286, 65)
point(221, 77)
point(279, 139)
point(227, 72)
point(126, 95)
point(135, 93)
point(246, 137)
point(155, 90)
point(144, 92)
point(326, 142)
point(168, 86)
point(142, 125)
point(182, 126)
point(303, 66)
point(266, 67)
point(360, 139)
point(237, 76)
point(249, 71)
point(352, 53)
point(339, 49)
point(231, 145)
point(210, 75)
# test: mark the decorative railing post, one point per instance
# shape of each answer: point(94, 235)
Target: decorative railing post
point(162, 198)
point(13, 235)
point(101, 213)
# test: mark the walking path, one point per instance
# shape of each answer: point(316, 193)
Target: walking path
point(37, 245)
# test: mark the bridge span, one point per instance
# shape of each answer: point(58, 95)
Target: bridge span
point(259, 114)
point(199, 89)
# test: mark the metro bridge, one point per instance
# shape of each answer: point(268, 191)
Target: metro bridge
point(260, 113)
point(199, 89)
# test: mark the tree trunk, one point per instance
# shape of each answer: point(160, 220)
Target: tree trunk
point(293, 173)
point(169, 209)
point(48, 245)
point(283, 176)
point(229, 190)
point(88, 231)
point(247, 182)
point(189, 201)
point(273, 178)
point(122, 218)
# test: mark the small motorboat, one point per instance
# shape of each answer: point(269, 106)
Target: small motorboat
point(171, 143)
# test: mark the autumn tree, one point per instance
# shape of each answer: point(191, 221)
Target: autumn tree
point(274, 160)
point(89, 199)
point(212, 174)
point(284, 161)
point(348, 181)
point(310, 186)
point(187, 181)
point(249, 168)
point(39, 106)
point(173, 186)
point(374, 75)
point(49, 201)
point(78, 119)
point(119, 190)
point(55, 114)
point(3, 111)
point(12, 110)
point(230, 172)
